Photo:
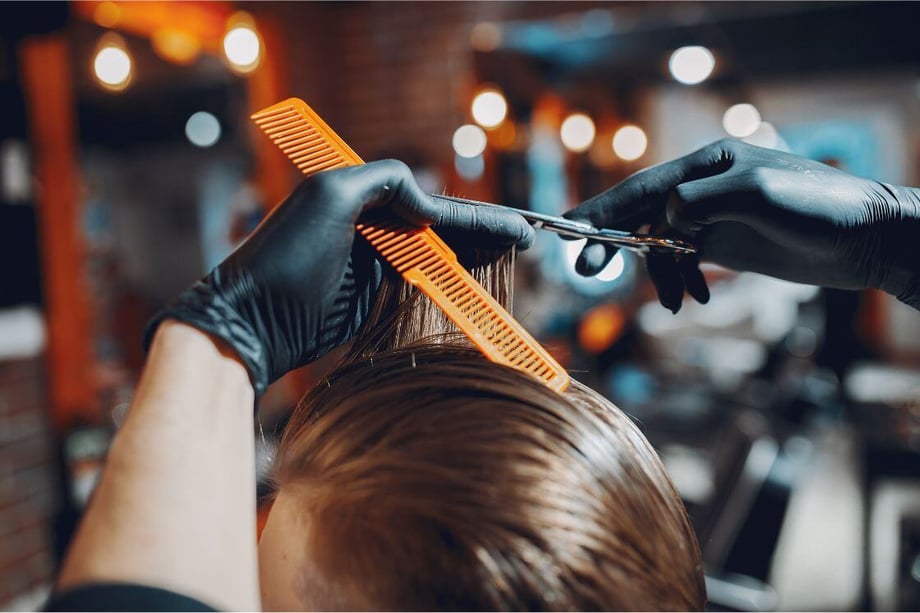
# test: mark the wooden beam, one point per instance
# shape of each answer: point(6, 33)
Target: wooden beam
point(51, 107)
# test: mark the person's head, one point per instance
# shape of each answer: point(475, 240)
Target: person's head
point(419, 475)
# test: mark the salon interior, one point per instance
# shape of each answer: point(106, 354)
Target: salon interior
point(788, 416)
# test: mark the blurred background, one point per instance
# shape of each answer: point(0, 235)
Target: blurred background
point(788, 416)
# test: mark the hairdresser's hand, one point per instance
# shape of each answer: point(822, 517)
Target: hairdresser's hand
point(765, 211)
point(302, 283)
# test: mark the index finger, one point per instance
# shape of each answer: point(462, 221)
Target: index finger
point(482, 226)
point(345, 193)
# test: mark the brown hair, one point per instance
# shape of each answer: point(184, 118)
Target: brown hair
point(434, 479)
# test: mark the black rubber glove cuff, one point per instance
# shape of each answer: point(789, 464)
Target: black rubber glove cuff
point(207, 310)
point(899, 249)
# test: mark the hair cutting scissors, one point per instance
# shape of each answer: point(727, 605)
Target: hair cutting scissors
point(640, 243)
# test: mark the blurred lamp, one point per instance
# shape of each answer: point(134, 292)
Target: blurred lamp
point(613, 270)
point(801, 341)
point(765, 136)
point(597, 22)
point(601, 327)
point(577, 132)
point(469, 141)
point(15, 177)
point(470, 169)
point(112, 65)
point(691, 65)
point(242, 47)
point(489, 108)
point(741, 120)
point(572, 249)
point(486, 36)
point(629, 143)
point(175, 45)
point(504, 135)
point(202, 129)
point(107, 14)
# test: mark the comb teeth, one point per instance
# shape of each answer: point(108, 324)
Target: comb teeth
point(408, 251)
point(304, 137)
point(416, 253)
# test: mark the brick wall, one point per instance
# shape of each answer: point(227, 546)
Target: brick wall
point(393, 77)
point(27, 482)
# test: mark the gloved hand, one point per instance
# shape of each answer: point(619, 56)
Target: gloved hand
point(765, 211)
point(303, 283)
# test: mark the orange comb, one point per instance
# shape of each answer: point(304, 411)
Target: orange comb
point(422, 258)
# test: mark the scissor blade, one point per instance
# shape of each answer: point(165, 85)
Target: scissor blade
point(641, 243)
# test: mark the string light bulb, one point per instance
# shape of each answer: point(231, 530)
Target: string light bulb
point(577, 132)
point(112, 64)
point(489, 108)
point(242, 45)
point(741, 120)
point(469, 141)
point(630, 143)
point(691, 65)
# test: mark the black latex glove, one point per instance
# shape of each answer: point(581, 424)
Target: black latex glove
point(303, 282)
point(765, 211)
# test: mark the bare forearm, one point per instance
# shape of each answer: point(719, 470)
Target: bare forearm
point(176, 504)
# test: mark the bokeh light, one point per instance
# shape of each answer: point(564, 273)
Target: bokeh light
point(741, 120)
point(107, 14)
point(112, 66)
point(613, 270)
point(242, 47)
point(630, 143)
point(802, 341)
point(469, 141)
point(470, 168)
point(577, 132)
point(504, 136)
point(601, 327)
point(489, 108)
point(175, 45)
point(486, 36)
point(202, 129)
point(765, 136)
point(691, 65)
point(572, 249)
